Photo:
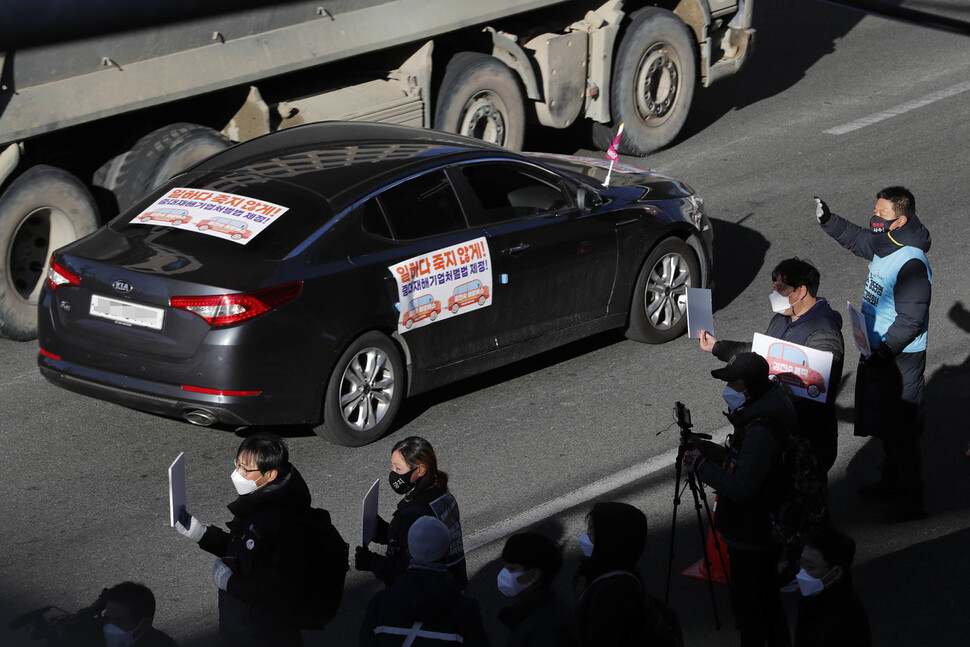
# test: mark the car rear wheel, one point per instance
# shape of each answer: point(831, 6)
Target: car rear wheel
point(813, 390)
point(364, 393)
point(658, 312)
point(455, 308)
point(43, 209)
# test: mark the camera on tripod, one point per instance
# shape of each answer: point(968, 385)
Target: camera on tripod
point(56, 627)
point(682, 417)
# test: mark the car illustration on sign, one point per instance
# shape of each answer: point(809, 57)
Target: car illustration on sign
point(174, 216)
point(422, 307)
point(468, 293)
point(300, 326)
point(235, 228)
point(789, 364)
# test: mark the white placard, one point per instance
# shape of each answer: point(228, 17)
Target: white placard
point(700, 312)
point(176, 488)
point(368, 515)
point(859, 330)
point(806, 370)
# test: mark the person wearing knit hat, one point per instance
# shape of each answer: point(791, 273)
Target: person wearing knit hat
point(424, 604)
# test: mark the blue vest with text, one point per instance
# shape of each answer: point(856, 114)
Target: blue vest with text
point(879, 302)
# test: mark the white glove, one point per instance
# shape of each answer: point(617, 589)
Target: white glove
point(822, 213)
point(189, 526)
point(220, 573)
point(692, 459)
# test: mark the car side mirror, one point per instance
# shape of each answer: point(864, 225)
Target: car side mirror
point(587, 199)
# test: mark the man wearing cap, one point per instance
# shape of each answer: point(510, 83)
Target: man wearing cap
point(424, 605)
point(747, 474)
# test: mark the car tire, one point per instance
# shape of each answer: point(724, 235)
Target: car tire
point(236, 236)
point(176, 222)
point(653, 83)
point(455, 308)
point(354, 416)
point(43, 209)
point(157, 157)
point(481, 301)
point(658, 311)
point(410, 322)
point(203, 227)
point(433, 315)
point(481, 97)
point(813, 390)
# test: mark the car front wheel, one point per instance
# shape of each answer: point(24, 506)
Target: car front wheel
point(658, 312)
point(364, 393)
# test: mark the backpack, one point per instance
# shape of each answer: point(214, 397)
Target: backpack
point(661, 628)
point(328, 562)
point(801, 506)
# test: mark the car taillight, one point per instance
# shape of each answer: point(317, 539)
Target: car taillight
point(58, 276)
point(226, 309)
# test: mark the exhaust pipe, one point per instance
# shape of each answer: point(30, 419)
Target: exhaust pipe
point(200, 418)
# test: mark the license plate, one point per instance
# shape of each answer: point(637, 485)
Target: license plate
point(126, 312)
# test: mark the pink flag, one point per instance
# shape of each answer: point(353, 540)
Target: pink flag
point(612, 152)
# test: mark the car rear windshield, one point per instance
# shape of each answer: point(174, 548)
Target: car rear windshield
point(280, 216)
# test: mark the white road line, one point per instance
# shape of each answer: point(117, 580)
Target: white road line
point(613, 482)
point(898, 110)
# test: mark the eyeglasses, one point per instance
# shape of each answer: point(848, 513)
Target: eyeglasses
point(239, 466)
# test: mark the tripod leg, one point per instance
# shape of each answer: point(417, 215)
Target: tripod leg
point(694, 485)
point(673, 528)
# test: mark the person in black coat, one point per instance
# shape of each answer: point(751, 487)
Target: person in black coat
point(803, 318)
point(610, 610)
point(537, 617)
point(129, 610)
point(423, 603)
point(260, 567)
point(830, 613)
point(424, 489)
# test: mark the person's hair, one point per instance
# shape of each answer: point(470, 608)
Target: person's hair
point(268, 450)
point(137, 598)
point(836, 547)
point(904, 204)
point(418, 452)
point(796, 273)
point(534, 550)
point(620, 537)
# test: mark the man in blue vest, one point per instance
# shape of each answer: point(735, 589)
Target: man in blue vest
point(889, 382)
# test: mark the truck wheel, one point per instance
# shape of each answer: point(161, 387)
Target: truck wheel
point(480, 97)
point(658, 312)
point(653, 83)
point(364, 393)
point(156, 158)
point(43, 209)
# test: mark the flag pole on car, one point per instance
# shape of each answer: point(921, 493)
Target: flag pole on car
point(613, 154)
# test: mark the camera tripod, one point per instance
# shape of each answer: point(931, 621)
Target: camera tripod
point(682, 416)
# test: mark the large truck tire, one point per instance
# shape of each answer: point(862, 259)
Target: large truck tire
point(43, 209)
point(481, 97)
point(156, 158)
point(653, 83)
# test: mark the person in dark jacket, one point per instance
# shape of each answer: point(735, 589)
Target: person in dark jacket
point(830, 613)
point(895, 304)
point(612, 601)
point(129, 611)
point(803, 318)
point(260, 567)
point(424, 489)
point(537, 617)
point(748, 476)
point(424, 604)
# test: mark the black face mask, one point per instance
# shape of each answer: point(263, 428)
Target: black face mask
point(879, 225)
point(401, 483)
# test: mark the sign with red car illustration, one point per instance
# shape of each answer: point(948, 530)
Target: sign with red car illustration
point(806, 370)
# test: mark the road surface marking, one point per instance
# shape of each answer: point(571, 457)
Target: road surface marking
point(551, 508)
point(898, 110)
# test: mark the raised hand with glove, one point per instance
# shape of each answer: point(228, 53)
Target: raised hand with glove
point(189, 526)
point(822, 213)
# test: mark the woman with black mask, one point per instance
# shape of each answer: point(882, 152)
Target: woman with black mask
point(614, 608)
point(424, 491)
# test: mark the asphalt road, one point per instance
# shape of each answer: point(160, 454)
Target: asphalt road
point(833, 104)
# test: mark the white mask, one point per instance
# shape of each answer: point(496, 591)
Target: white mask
point(585, 544)
point(733, 398)
point(779, 303)
point(509, 584)
point(115, 637)
point(243, 485)
point(809, 585)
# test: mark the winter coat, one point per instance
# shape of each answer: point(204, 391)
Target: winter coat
point(270, 544)
point(430, 596)
point(426, 499)
point(540, 618)
point(833, 618)
point(819, 328)
point(747, 474)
